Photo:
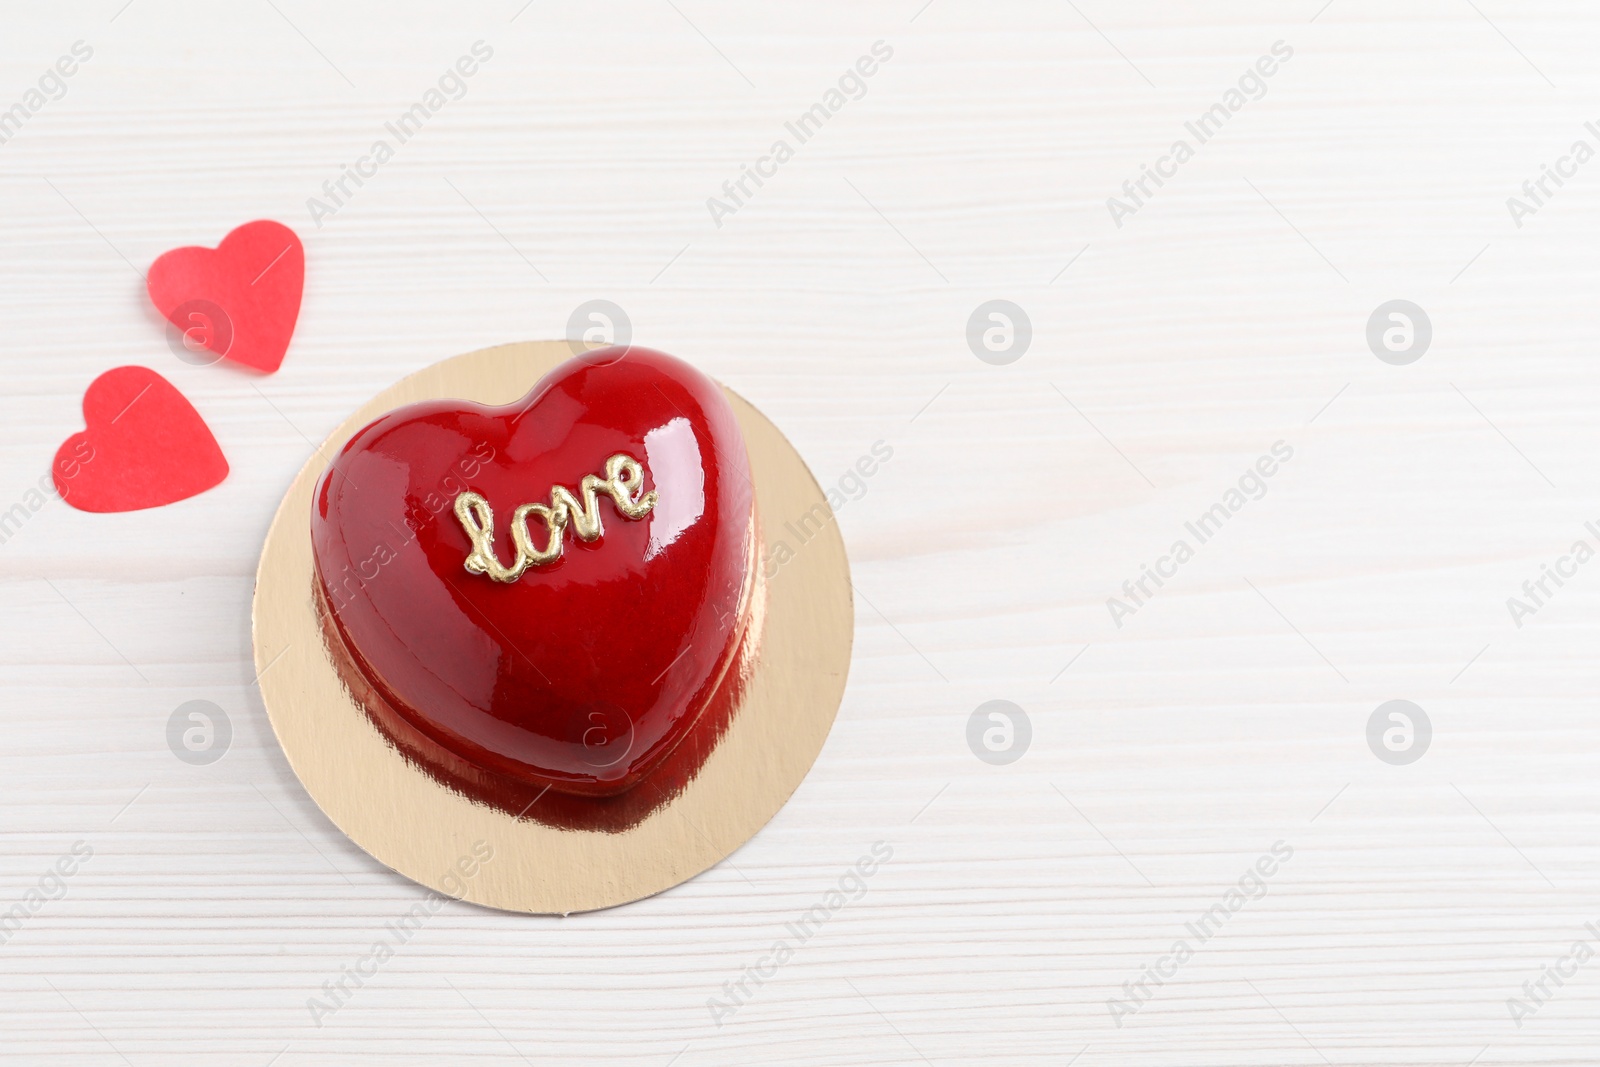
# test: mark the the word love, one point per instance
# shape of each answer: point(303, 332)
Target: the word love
point(624, 482)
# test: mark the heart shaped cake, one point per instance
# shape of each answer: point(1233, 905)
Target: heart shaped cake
point(551, 591)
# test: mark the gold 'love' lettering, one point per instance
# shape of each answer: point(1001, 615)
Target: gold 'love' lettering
point(624, 482)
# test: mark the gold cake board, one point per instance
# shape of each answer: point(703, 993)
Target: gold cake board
point(439, 838)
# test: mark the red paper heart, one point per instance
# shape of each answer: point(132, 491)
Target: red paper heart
point(144, 446)
point(240, 299)
point(583, 673)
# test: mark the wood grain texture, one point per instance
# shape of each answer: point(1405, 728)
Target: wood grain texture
point(1229, 713)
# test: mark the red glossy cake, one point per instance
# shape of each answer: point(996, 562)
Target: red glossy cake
point(548, 594)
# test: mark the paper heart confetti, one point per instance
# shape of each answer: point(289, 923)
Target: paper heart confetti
point(144, 445)
point(241, 299)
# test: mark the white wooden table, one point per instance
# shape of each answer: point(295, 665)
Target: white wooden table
point(1227, 713)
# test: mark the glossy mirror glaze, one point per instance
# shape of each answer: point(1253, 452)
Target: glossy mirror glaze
point(586, 671)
